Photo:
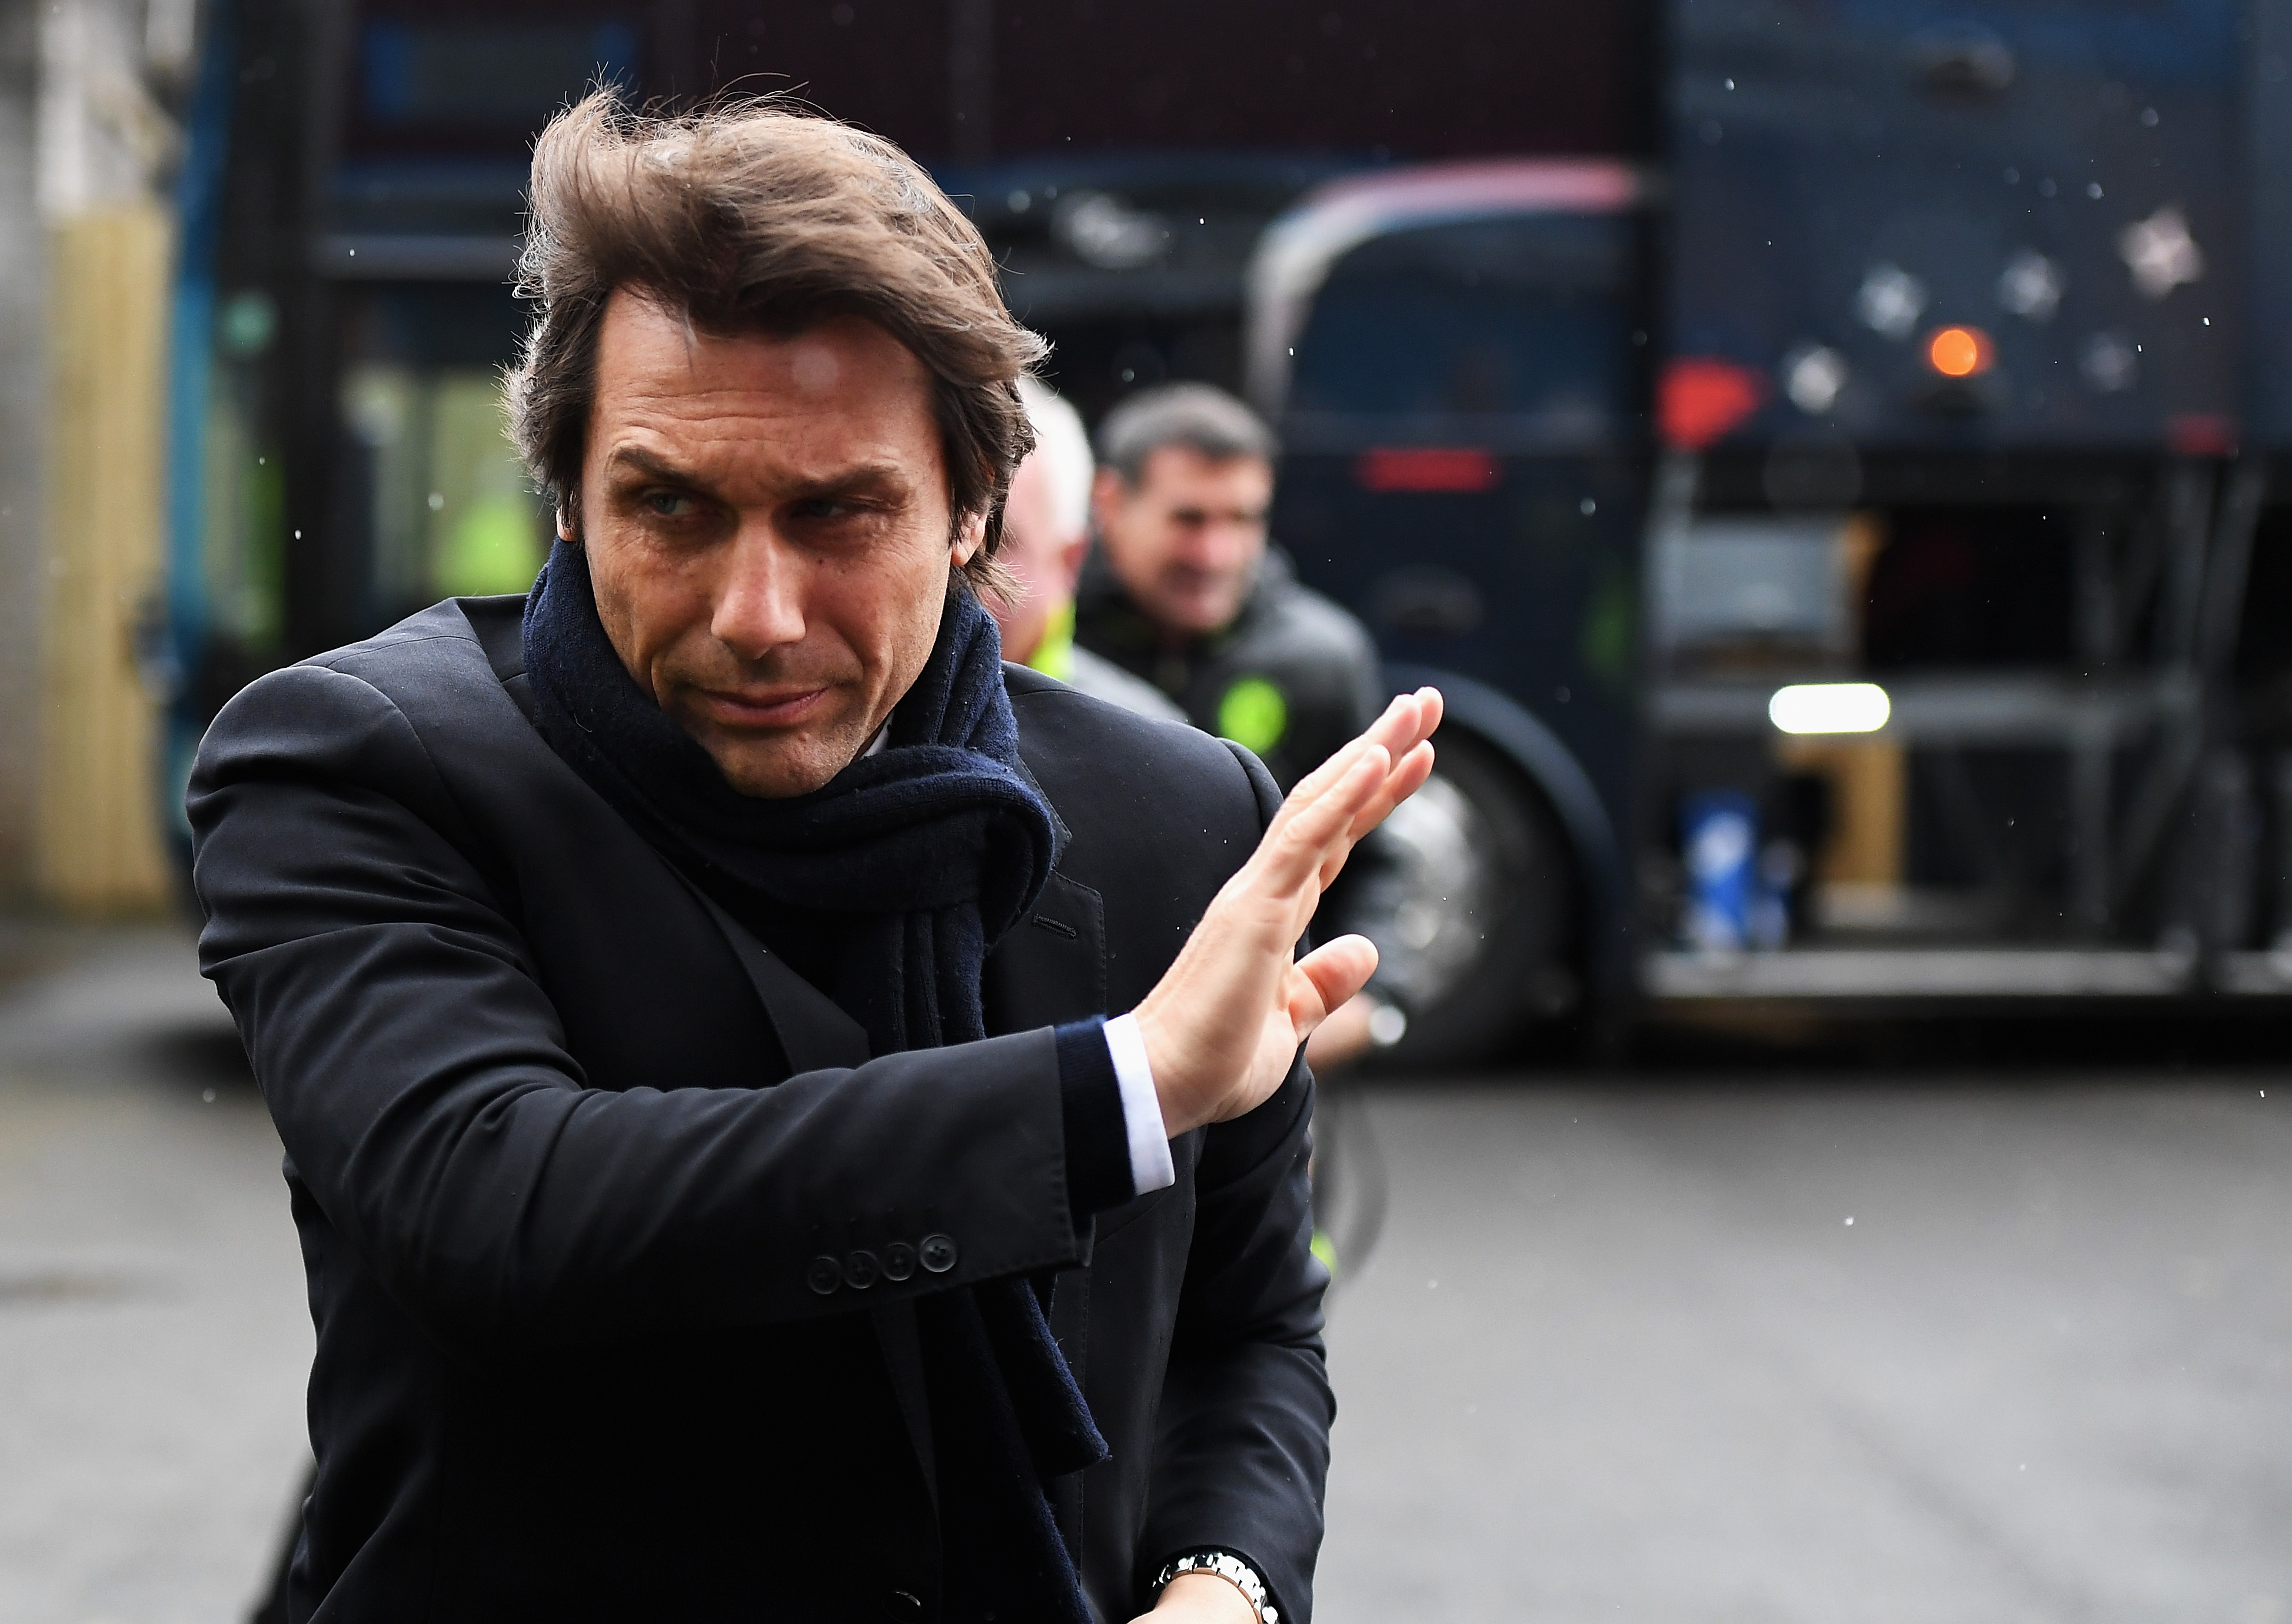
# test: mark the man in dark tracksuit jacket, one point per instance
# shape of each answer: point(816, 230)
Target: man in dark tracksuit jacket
point(684, 993)
point(1185, 590)
point(1292, 676)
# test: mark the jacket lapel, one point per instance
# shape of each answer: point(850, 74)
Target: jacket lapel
point(815, 1033)
point(1050, 967)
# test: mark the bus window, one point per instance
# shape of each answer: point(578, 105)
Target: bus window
point(448, 508)
point(1524, 318)
point(451, 510)
point(485, 73)
point(242, 493)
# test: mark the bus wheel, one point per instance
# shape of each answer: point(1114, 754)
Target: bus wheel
point(1472, 908)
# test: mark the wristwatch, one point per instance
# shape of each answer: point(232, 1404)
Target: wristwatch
point(1231, 1568)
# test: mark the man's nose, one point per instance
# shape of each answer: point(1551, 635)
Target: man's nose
point(1226, 544)
point(759, 596)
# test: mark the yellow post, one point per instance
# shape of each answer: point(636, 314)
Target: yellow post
point(1869, 799)
point(99, 850)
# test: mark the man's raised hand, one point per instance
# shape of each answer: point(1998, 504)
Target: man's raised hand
point(1222, 1025)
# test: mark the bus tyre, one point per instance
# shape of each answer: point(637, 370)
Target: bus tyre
point(1472, 898)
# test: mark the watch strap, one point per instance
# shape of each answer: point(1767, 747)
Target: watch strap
point(1230, 1568)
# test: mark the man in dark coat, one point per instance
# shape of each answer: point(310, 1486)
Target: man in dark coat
point(683, 992)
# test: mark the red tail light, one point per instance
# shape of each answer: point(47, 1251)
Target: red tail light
point(1700, 399)
point(1427, 468)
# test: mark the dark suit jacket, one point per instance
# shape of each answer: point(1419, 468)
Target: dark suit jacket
point(561, 1226)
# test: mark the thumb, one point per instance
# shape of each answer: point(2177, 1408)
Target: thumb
point(1326, 977)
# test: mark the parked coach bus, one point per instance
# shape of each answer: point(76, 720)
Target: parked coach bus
point(1936, 645)
point(1826, 456)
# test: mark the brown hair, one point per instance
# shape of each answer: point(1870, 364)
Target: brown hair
point(760, 215)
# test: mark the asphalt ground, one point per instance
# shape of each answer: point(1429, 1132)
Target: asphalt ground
point(1617, 1355)
point(153, 1334)
point(1891, 1349)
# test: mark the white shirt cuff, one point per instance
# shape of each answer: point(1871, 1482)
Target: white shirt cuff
point(1151, 1167)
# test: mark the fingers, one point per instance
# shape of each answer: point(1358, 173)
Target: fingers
point(1404, 725)
point(1408, 722)
point(1405, 779)
point(1326, 977)
point(1350, 793)
point(1431, 709)
point(1404, 730)
point(1311, 823)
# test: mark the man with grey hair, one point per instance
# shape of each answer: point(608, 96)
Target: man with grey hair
point(1045, 535)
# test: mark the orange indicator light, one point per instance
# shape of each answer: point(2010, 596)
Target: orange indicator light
point(1958, 352)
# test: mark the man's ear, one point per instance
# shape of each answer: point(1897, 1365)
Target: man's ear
point(968, 539)
point(1106, 494)
point(1070, 563)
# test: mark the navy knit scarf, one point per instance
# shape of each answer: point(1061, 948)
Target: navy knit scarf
point(885, 888)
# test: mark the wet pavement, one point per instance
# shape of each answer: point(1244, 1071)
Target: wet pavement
point(153, 1335)
point(1617, 1356)
point(1899, 1351)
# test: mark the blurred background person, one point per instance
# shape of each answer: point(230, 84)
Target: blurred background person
point(1045, 535)
point(1186, 592)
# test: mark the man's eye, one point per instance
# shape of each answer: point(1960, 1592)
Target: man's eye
point(822, 507)
point(669, 503)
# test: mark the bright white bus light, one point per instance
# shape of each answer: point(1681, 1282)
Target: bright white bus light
point(1829, 708)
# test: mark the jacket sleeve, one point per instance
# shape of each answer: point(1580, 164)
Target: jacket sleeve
point(420, 1078)
point(1243, 1446)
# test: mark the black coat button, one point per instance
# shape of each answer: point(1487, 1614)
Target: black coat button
point(903, 1605)
point(938, 1253)
point(825, 1275)
point(861, 1271)
point(898, 1260)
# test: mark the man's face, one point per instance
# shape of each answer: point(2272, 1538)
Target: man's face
point(1045, 560)
point(1186, 543)
point(766, 520)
